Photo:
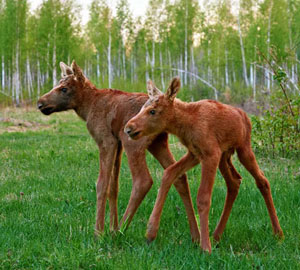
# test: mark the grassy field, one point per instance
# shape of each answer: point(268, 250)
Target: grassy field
point(48, 170)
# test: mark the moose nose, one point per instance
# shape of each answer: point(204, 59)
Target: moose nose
point(39, 105)
point(128, 130)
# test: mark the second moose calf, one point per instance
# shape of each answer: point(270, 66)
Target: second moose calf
point(212, 132)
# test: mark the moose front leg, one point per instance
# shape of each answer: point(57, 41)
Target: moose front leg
point(114, 190)
point(209, 168)
point(107, 161)
point(160, 150)
point(169, 176)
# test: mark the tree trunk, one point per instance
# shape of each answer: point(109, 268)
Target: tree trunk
point(3, 73)
point(161, 68)
point(243, 54)
point(226, 68)
point(109, 59)
point(153, 58)
point(17, 77)
point(29, 79)
point(185, 44)
point(54, 74)
point(147, 61)
point(193, 65)
point(38, 78)
point(124, 64)
point(267, 73)
point(98, 67)
point(131, 67)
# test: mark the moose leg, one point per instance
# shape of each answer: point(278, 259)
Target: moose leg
point(114, 189)
point(247, 158)
point(233, 180)
point(209, 168)
point(169, 176)
point(107, 160)
point(142, 182)
point(160, 150)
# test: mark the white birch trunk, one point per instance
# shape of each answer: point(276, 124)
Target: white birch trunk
point(267, 73)
point(161, 68)
point(254, 81)
point(193, 64)
point(38, 78)
point(17, 77)
point(109, 59)
point(170, 62)
point(124, 64)
point(54, 73)
point(181, 65)
point(98, 66)
point(3, 73)
point(131, 67)
point(29, 79)
point(153, 58)
point(185, 44)
point(226, 68)
point(147, 61)
point(48, 61)
point(251, 74)
point(243, 54)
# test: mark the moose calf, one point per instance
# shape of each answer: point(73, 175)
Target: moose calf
point(106, 112)
point(212, 132)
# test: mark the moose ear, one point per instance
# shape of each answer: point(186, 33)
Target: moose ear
point(173, 88)
point(152, 90)
point(78, 72)
point(65, 70)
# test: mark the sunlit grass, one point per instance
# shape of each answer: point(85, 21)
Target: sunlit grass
point(48, 202)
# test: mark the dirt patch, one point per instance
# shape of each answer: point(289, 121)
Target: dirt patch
point(19, 125)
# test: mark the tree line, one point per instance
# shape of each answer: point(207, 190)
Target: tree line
point(220, 50)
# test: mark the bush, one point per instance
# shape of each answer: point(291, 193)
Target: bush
point(277, 131)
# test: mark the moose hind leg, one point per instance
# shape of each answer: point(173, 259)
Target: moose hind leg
point(141, 184)
point(247, 158)
point(233, 180)
point(114, 189)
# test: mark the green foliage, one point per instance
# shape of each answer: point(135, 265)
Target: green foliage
point(174, 38)
point(277, 131)
point(48, 202)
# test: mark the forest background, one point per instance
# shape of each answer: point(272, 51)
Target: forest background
point(243, 52)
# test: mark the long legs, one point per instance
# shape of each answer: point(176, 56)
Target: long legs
point(233, 180)
point(160, 150)
point(169, 176)
point(141, 183)
point(107, 160)
point(209, 168)
point(114, 189)
point(247, 158)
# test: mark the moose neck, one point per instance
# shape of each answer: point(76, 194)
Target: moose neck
point(180, 119)
point(85, 100)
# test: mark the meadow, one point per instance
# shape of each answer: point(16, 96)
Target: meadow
point(48, 170)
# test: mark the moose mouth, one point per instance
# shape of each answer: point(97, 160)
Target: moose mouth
point(47, 110)
point(135, 135)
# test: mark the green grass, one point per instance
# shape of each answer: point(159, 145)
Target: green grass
point(47, 208)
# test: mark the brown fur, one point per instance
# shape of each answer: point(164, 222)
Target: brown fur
point(212, 132)
point(106, 112)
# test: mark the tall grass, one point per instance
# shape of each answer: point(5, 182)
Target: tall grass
point(48, 200)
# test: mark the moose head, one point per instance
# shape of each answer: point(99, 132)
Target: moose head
point(66, 94)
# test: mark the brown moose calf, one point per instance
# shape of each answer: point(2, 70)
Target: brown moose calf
point(106, 112)
point(212, 132)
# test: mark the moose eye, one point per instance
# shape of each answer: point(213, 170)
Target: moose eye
point(64, 90)
point(152, 112)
